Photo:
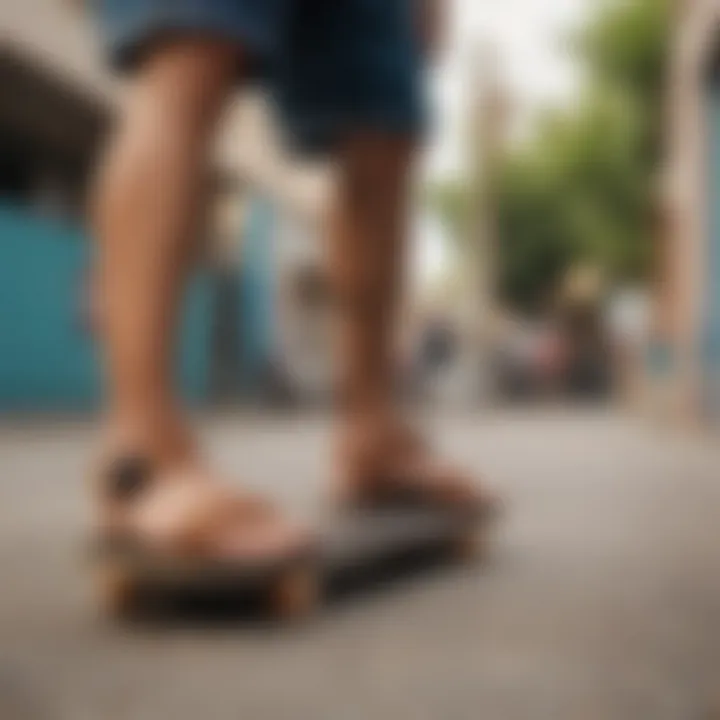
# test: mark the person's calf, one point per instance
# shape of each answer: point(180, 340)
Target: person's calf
point(145, 211)
point(368, 251)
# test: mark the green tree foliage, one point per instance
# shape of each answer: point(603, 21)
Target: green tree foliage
point(581, 190)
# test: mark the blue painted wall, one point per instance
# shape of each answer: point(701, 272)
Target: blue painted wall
point(47, 361)
point(711, 320)
point(257, 290)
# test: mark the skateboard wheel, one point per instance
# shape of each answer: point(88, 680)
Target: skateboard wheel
point(468, 546)
point(295, 593)
point(118, 592)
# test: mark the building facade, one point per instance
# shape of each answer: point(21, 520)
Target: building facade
point(687, 318)
point(263, 222)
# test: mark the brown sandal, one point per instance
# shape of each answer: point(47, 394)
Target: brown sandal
point(403, 472)
point(415, 492)
point(209, 541)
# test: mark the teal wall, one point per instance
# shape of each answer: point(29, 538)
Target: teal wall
point(711, 319)
point(257, 290)
point(47, 361)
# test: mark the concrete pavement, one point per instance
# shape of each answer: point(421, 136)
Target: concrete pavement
point(601, 599)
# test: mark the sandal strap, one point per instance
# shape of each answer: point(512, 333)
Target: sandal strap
point(126, 477)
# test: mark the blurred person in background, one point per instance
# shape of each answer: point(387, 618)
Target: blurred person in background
point(347, 78)
point(437, 350)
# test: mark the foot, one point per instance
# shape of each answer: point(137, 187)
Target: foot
point(175, 506)
point(385, 462)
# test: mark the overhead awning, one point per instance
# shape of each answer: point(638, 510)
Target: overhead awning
point(41, 105)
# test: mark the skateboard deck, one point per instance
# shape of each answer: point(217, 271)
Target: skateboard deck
point(352, 546)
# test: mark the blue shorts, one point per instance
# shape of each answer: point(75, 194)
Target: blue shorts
point(332, 66)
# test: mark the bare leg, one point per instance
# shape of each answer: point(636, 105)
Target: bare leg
point(371, 217)
point(146, 210)
point(368, 251)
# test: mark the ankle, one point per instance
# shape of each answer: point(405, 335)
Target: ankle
point(366, 438)
point(162, 437)
point(370, 424)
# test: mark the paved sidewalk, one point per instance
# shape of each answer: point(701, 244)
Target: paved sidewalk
point(601, 601)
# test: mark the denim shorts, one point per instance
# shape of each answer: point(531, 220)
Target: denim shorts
point(331, 66)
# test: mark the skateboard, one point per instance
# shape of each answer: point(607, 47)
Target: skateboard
point(352, 546)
